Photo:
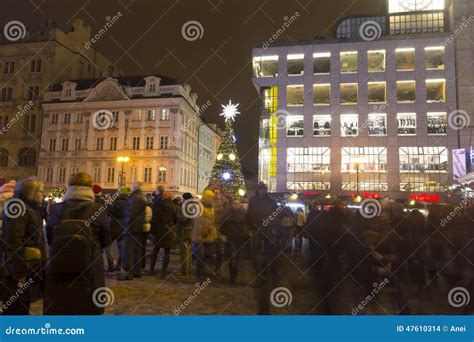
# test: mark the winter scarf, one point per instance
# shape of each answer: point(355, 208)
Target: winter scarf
point(80, 193)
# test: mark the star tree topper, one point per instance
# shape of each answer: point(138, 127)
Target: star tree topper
point(230, 111)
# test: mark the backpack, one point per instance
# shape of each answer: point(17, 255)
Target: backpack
point(72, 248)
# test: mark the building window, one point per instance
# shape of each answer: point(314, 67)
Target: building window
point(308, 168)
point(295, 65)
point(74, 170)
point(322, 125)
point(110, 175)
point(8, 67)
point(349, 125)
point(322, 63)
point(406, 91)
point(137, 115)
point(30, 123)
point(376, 61)
point(163, 142)
point(99, 145)
point(405, 59)
point(150, 115)
point(377, 125)
point(54, 118)
point(135, 143)
point(152, 87)
point(3, 157)
point(162, 174)
point(115, 116)
point(67, 118)
point(406, 123)
point(149, 143)
point(77, 144)
point(400, 6)
point(27, 157)
point(52, 145)
point(377, 92)
point(49, 175)
point(96, 175)
point(349, 93)
point(349, 62)
point(6, 95)
point(113, 144)
point(265, 66)
point(35, 65)
point(78, 118)
point(437, 123)
point(364, 168)
point(4, 123)
point(435, 91)
point(65, 144)
point(165, 114)
point(295, 95)
point(68, 92)
point(33, 93)
point(321, 94)
point(423, 168)
point(147, 175)
point(294, 126)
point(434, 58)
point(62, 175)
point(417, 23)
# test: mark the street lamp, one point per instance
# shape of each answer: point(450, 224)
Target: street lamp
point(122, 160)
point(357, 161)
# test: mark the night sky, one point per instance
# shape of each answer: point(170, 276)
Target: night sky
point(147, 39)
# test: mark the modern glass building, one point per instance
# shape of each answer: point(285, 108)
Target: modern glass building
point(375, 109)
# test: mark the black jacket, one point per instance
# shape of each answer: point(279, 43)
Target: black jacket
point(72, 295)
point(116, 217)
point(25, 231)
point(135, 213)
point(164, 223)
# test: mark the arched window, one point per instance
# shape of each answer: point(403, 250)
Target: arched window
point(27, 157)
point(3, 157)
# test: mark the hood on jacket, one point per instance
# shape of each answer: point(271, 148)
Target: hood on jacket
point(79, 193)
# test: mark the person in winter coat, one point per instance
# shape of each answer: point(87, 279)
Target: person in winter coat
point(6, 192)
point(117, 229)
point(68, 293)
point(184, 228)
point(24, 256)
point(134, 226)
point(164, 231)
point(300, 220)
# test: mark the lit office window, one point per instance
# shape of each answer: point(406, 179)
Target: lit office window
point(364, 168)
point(400, 6)
point(406, 91)
point(322, 125)
point(295, 95)
point(437, 123)
point(295, 65)
point(377, 92)
point(406, 123)
point(308, 168)
point(377, 125)
point(322, 63)
point(349, 125)
point(434, 58)
point(321, 94)
point(294, 126)
point(349, 62)
point(405, 59)
point(265, 66)
point(349, 93)
point(376, 61)
point(435, 91)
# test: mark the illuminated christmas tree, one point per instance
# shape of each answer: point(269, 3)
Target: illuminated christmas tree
point(227, 172)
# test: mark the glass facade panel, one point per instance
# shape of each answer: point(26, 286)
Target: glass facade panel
point(265, 66)
point(308, 168)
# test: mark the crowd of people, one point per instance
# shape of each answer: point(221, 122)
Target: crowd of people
point(60, 252)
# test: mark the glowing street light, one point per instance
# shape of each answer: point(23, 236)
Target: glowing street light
point(122, 160)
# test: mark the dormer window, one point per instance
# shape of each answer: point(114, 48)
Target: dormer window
point(68, 89)
point(152, 86)
point(68, 92)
